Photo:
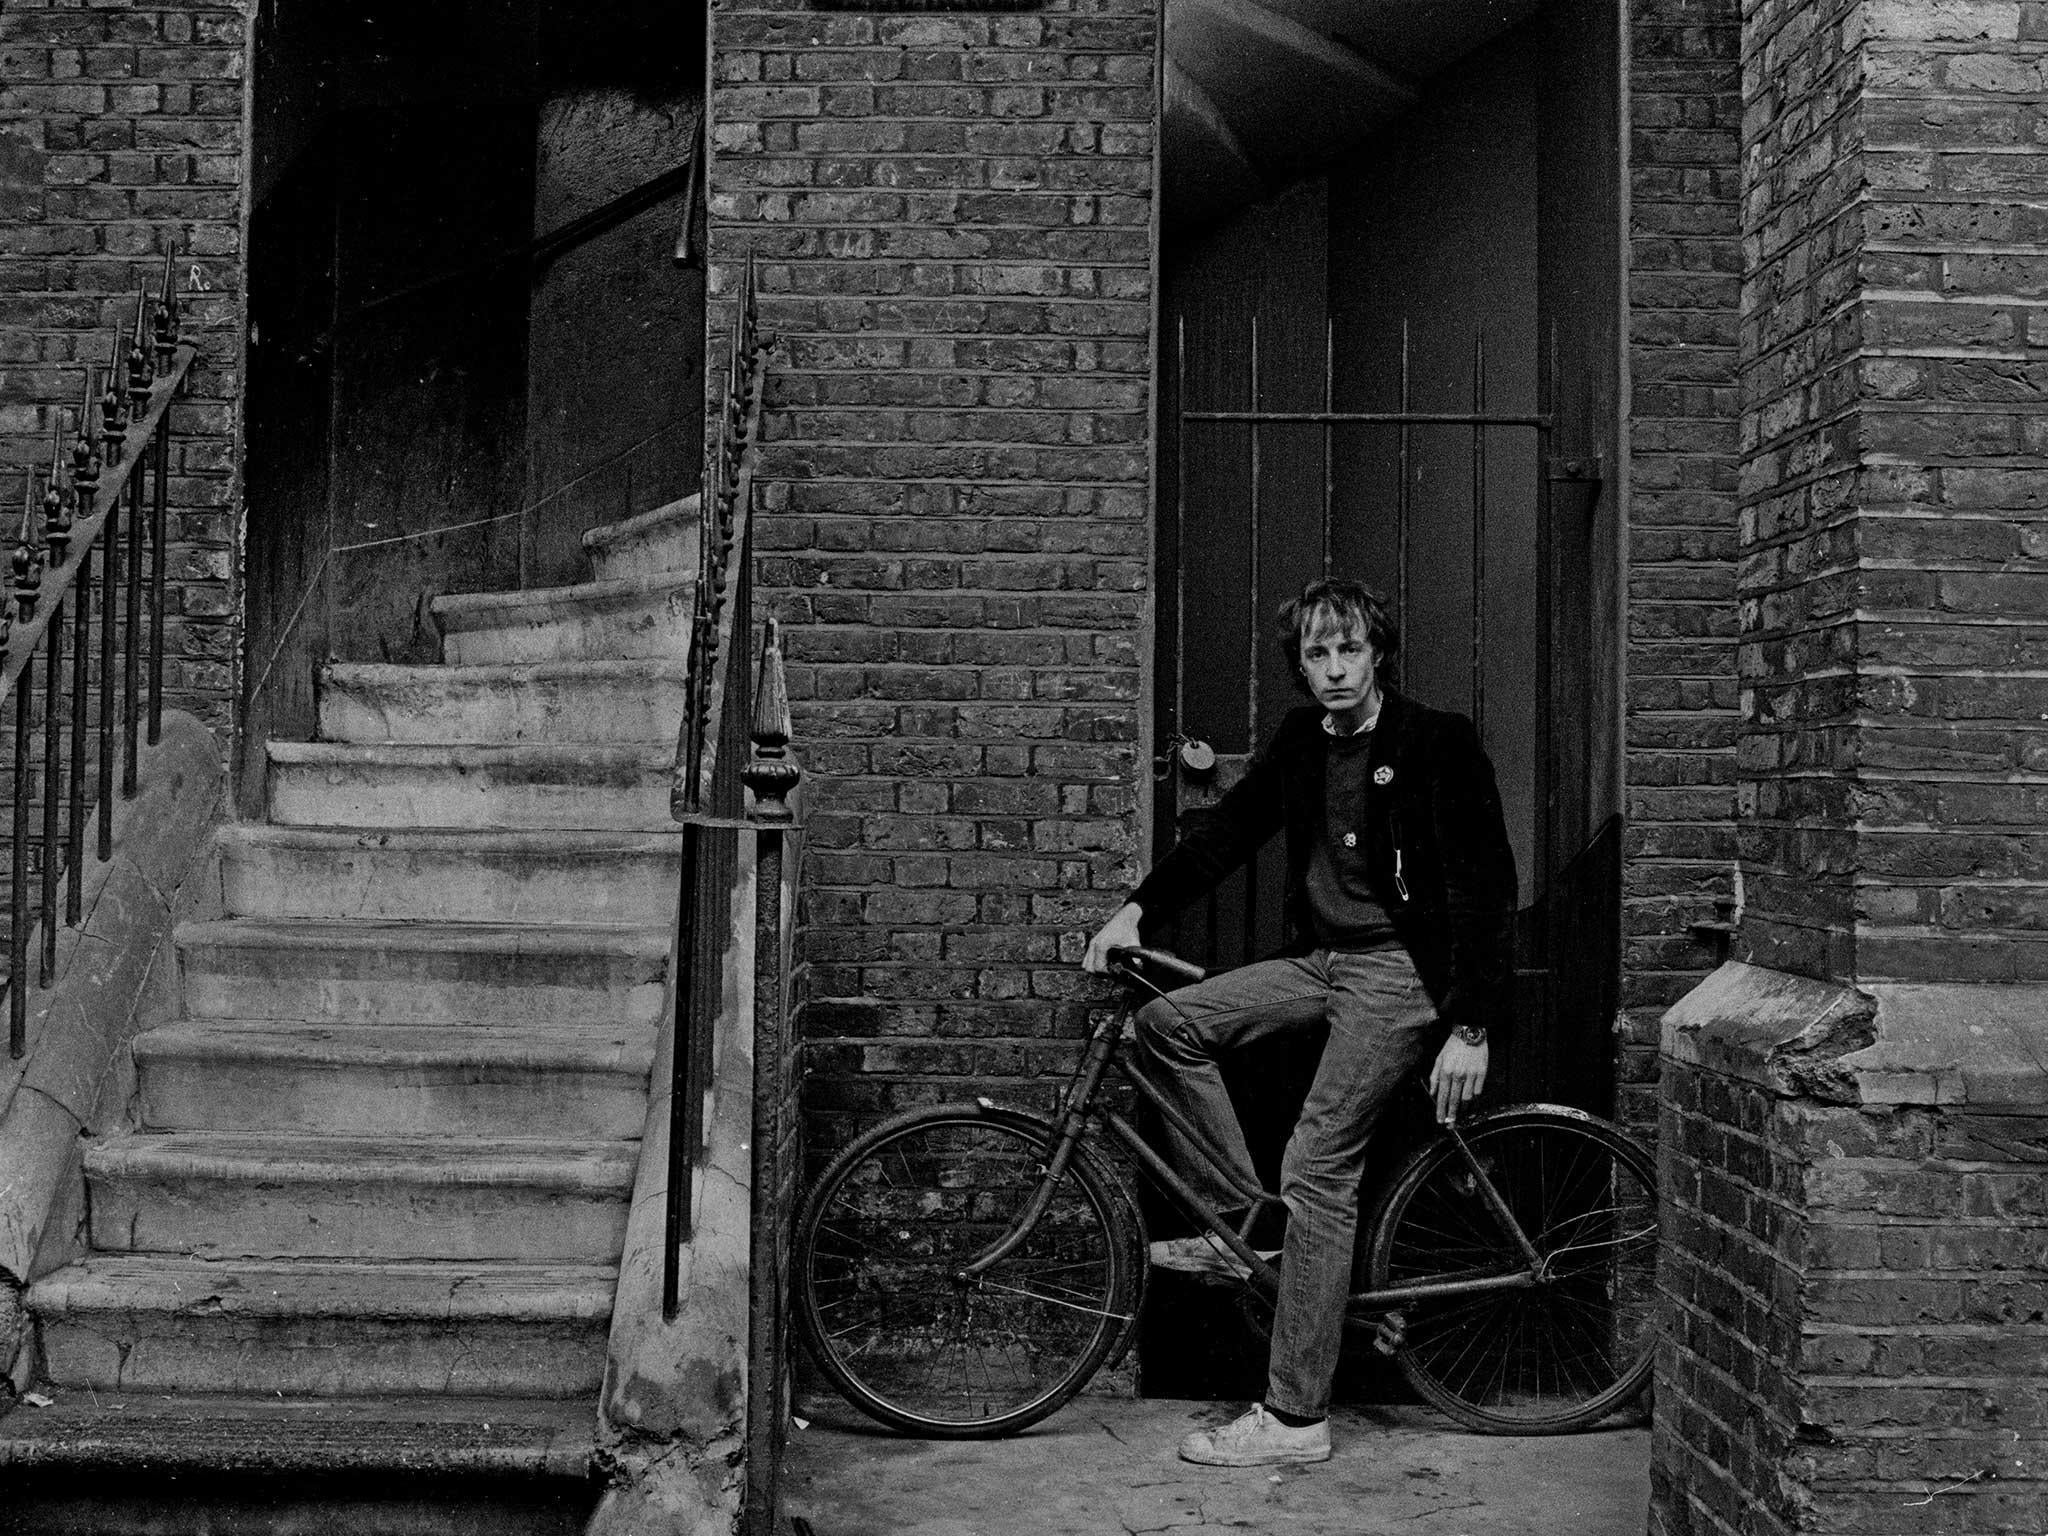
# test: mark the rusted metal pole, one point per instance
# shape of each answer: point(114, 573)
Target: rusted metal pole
point(772, 775)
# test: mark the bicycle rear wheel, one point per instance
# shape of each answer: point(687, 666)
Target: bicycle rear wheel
point(1577, 1345)
point(885, 1311)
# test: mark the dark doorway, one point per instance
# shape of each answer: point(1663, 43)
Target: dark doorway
point(476, 314)
point(1400, 361)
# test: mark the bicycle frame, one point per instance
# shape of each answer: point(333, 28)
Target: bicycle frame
point(1074, 1122)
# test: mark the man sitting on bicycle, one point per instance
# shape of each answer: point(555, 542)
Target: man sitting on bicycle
point(1400, 891)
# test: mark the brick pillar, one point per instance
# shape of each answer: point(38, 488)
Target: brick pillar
point(1893, 490)
point(121, 138)
point(952, 213)
point(1851, 1127)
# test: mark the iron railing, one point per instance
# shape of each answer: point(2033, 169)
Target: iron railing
point(125, 464)
point(734, 739)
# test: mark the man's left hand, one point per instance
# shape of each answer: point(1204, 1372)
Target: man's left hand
point(1457, 1078)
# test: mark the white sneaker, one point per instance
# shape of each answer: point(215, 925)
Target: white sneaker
point(1257, 1439)
point(1203, 1254)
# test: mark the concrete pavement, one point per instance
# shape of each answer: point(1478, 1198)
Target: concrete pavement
point(1106, 1467)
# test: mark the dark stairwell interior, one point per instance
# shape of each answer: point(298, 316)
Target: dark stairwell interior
point(476, 314)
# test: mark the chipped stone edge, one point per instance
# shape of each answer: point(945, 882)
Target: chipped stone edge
point(1980, 1044)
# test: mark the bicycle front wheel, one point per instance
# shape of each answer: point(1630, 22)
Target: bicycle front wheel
point(1577, 1344)
point(886, 1311)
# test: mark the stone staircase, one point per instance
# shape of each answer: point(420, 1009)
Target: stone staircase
point(382, 1165)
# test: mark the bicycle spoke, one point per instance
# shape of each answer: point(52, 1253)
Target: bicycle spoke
point(1560, 1353)
point(887, 1303)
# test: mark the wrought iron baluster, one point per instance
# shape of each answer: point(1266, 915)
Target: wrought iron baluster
point(57, 535)
point(139, 379)
point(113, 431)
point(25, 586)
point(85, 474)
point(159, 518)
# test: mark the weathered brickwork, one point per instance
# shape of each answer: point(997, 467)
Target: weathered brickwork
point(952, 217)
point(121, 138)
point(1685, 260)
point(1855, 1297)
point(1894, 321)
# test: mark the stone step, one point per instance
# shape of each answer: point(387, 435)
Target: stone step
point(200, 1434)
point(493, 877)
point(330, 784)
point(582, 1082)
point(593, 620)
point(558, 701)
point(664, 539)
point(421, 973)
point(218, 1194)
point(118, 1323)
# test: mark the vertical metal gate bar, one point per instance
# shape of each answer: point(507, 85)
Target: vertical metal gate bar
point(1252, 598)
point(1401, 512)
point(1479, 534)
point(1180, 535)
point(1329, 430)
point(1251, 870)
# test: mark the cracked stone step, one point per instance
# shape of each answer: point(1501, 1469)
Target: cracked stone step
point(581, 1081)
point(664, 539)
point(594, 620)
point(115, 1323)
point(595, 787)
point(421, 973)
point(638, 700)
point(546, 876)
point(217, 1194)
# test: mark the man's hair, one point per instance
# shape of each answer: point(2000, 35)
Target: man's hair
point(1345, 606)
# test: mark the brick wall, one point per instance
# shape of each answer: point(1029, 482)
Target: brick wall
point(1685, 260)
point(952, 218)
point(1854, 1297)
point(120, 139)
point(1893, 322)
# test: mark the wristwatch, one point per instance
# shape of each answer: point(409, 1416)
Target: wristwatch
point(1471, 1034)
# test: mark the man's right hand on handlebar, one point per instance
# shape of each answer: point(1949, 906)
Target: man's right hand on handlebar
point(1120, 932)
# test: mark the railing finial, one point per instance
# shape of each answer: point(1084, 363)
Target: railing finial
point(27, 560)
point(113, 406)
point(85, 466)
point(771, 774)
point(141, 366)
point(167, 314)
point(56, 515)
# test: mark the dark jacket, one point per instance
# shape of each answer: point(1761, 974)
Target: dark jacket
point(1437, 853)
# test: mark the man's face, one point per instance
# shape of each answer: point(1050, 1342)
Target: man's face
point(1338, 662)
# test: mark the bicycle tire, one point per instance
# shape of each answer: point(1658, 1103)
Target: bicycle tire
point(1568, 1352)
point(891, 1220)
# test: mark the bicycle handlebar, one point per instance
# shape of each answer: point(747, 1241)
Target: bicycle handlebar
point(1171, 969)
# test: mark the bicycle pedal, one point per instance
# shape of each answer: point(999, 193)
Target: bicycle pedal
point(1391, 1334)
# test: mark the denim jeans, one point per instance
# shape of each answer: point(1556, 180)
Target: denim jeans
point(1381, 1024)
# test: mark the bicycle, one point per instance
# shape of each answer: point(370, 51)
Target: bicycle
point(961, 1270)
